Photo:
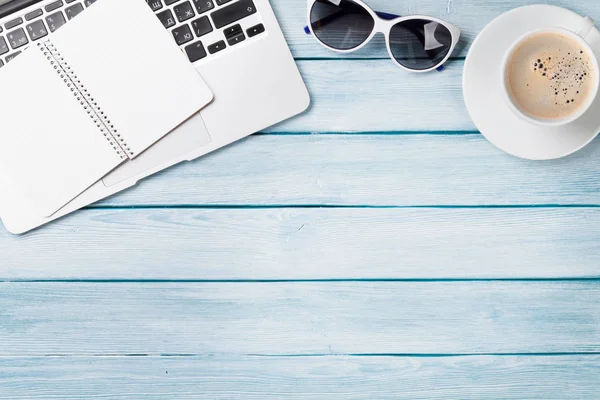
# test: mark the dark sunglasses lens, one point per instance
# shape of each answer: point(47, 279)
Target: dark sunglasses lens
point(341, 24)
point(420, 44)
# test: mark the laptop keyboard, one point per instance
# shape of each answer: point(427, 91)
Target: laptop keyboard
point(200, 27)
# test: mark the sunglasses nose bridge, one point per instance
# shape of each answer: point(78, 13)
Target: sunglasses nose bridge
point(383, 26)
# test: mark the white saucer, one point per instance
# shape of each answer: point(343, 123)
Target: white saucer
point(482, 88)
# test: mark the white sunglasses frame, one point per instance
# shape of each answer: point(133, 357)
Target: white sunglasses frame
point(384, 26)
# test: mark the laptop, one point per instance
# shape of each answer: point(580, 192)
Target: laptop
point(237, 47)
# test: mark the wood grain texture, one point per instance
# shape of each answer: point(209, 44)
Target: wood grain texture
point(373, 170)
point(200, 338)
point(299, 318)
point(525, 377)
point(469, 15)
point(377, 96)
point(253, 244)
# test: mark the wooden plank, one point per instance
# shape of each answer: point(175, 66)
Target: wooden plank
point(297, 318)
point(523, 377)
point(381, 170)
point(469, 15)
point(345, 99)
point(311, 243)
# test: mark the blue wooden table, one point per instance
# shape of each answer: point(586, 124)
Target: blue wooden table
point(375, 247)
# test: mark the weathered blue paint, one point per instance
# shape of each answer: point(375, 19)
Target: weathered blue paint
point(375, 247)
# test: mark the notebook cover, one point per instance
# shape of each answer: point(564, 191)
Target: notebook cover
point(132, 67)
point(50, 148)
point(50, 152)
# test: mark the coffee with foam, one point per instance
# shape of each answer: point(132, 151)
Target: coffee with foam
point(550, 76)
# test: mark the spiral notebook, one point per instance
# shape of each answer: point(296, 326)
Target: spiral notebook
point(78, 103)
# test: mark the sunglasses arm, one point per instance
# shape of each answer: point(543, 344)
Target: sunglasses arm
point(382, 15)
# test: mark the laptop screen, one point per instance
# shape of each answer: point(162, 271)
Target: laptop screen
point(2, 2)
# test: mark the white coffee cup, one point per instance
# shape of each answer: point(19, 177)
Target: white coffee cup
point(579, 36)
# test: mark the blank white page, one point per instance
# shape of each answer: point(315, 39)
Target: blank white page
point(50, 149)
point(131, 65)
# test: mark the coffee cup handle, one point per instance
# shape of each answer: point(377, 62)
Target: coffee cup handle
point(585, 28)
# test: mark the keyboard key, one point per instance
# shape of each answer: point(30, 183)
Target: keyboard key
point(69, 1)
point(53, 6)
point(3, 46)
point(37, 30)
point(216, 47)
point(232, 30)
point(155, 5)
point(10, 57)
point(183, 34)
point(1, 64)
point(13, 23)
point(195, 51)
point(89, 2)
point(203, 6)
point(33, 14)
point(201, 26)
point(55, 21)
point(255, 30)
point(221, 2)
point(184, 11)
point(234, 34)
point(73, 10)
point(169, 2)
point(234, 12)
point(236, 39)
point(166, 17)
point(17, 38)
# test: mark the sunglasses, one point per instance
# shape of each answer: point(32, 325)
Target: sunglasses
point(416, 43)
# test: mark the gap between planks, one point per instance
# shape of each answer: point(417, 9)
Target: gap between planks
point(317, 355)
point(331, 206)
point(370, 133)
point(277, 281)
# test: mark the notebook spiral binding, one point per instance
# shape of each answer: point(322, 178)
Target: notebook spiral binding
point(63, 69)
